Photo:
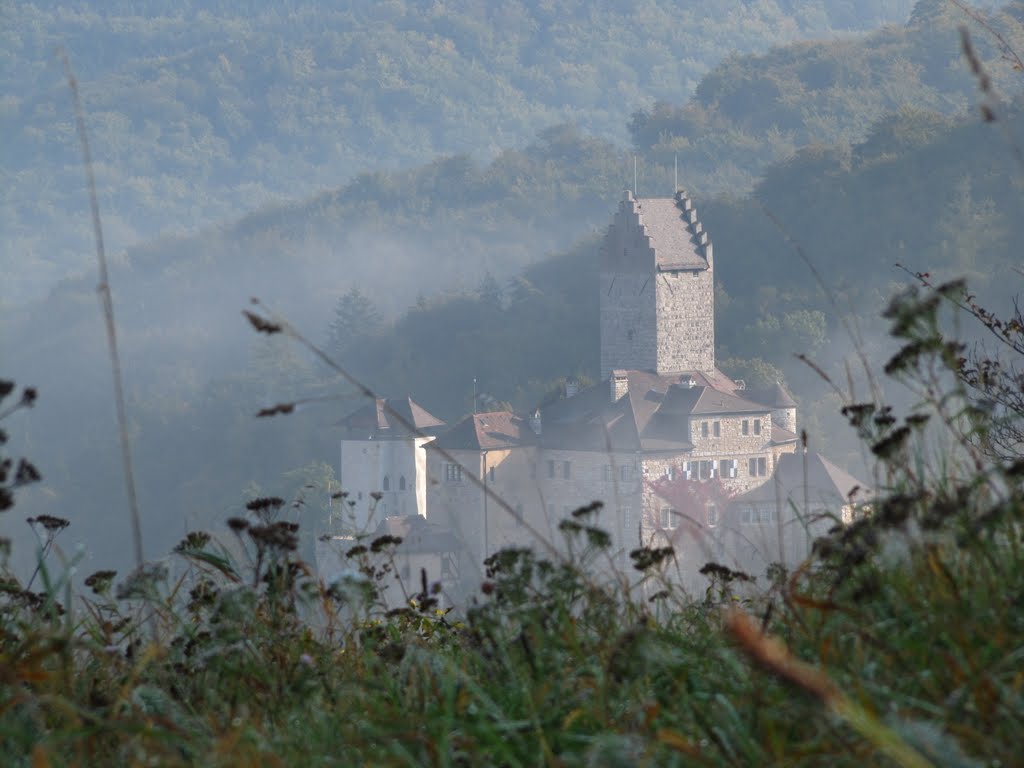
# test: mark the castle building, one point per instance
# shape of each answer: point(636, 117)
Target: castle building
point(665, 440)
point(382, 462)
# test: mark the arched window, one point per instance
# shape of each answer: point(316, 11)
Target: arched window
point(401, 483)
point(387, 483)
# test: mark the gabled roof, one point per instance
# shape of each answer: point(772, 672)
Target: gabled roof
point(383, 418)
point(486, 432)
point(653, 415)
point(675, 246)
point(823, 484)
point(781, 435)
point(774, 396)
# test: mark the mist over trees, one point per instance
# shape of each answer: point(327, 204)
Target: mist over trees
point(203, 111)
point(850, 155)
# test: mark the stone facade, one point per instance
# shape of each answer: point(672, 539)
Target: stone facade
point(657, 288)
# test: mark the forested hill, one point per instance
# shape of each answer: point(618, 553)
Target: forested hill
point(753, 110)
point(202, 111)
point(937, 192)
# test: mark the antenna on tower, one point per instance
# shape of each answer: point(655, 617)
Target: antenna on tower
point(675, 179)
point(634, 176)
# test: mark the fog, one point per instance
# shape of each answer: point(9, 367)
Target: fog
point(459, 181)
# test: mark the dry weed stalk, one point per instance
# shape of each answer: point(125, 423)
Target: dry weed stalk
point(107, 301)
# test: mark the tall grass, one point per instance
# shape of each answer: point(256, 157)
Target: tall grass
point(900, 643)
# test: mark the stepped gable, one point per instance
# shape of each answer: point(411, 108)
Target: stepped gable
point(652, 414)
point(380, 420)
point(675, 247)
point(774, 396)
point(823, 483)
point(496, 430)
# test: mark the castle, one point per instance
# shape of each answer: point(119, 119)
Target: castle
point(678, 452)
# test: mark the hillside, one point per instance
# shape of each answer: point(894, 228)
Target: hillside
point(203, 111)
point(751, 111)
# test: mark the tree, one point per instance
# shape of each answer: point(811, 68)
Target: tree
point(355, 318)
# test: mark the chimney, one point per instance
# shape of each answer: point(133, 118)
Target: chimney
point(535, 422)
point(620, 385)
point(572, 387)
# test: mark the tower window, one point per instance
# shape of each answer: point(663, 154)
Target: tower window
point(386, 485)
point(669, 518)
point(401, 483)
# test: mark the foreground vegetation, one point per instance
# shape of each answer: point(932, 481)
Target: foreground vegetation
point(898, 644)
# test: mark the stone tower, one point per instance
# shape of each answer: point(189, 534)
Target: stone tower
point(657, 288)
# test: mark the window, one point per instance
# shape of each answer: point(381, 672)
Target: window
point(567, 469)
point(405, 571)
point(712, 514)
point(452, 473)
point(625, 473)
point(746, 426)
point(401, 483)
point(762, 467)
point(759, 515)
point(757, 426)
point(551, 468)
point(670, 473)
point(703, 429)
point(386, 485)
point(626, 516)
point(606, 473)
point(732, 466)
point(533, 470)
point(717, 428)
point(519, 515)
point(490, 472)
point(706, 469)
point(669, 518)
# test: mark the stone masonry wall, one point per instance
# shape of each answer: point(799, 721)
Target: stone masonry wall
point(685, 321)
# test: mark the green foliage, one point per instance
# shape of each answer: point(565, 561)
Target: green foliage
point(897, 645)
point(202, 113)
point(752, 111)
